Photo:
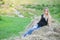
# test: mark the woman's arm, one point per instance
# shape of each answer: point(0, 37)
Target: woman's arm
point(49, 21)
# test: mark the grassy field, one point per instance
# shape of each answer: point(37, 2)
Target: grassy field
point(38, 10)
point(12, 25)
point(30, 8)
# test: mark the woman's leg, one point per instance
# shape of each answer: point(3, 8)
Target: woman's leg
point(29, 32)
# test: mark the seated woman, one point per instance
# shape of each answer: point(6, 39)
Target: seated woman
point(45, 20)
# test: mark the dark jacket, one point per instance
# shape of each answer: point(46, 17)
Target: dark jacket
point(42, 22)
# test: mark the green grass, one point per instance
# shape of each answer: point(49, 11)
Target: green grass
point(12, 25)
point(54, 10)
point(40, 2)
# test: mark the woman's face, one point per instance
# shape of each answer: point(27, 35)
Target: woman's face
point(46, 11)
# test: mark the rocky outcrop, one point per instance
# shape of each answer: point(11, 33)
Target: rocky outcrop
point(45, 33)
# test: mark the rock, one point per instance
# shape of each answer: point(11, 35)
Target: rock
point(57, 30)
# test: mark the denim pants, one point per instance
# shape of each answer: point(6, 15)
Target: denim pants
point(29, 32)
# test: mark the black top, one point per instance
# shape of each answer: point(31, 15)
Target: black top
point(42, 22)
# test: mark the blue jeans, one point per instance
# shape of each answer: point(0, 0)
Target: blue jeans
point(29, 32)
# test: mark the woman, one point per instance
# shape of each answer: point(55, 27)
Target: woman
point(45, 20)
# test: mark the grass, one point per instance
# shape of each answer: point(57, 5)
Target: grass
point(39, 2)
point(54, 10)
point(12, 25)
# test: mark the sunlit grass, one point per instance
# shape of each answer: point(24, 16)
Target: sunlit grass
point(12, 25)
